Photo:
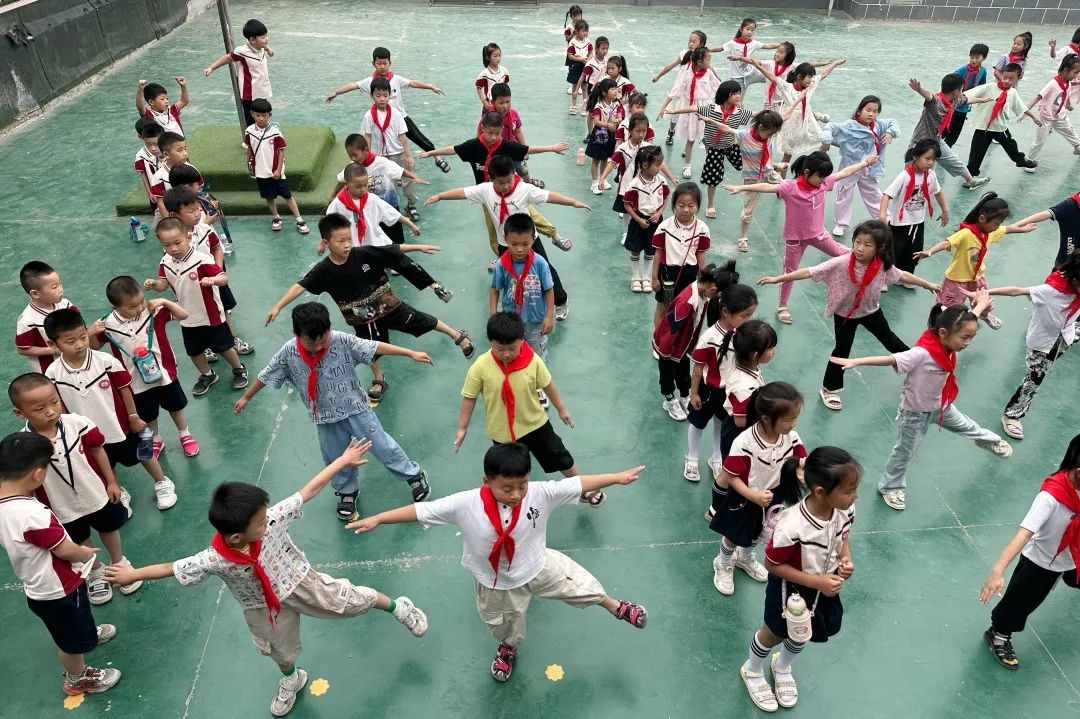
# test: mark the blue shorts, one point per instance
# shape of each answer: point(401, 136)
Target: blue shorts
point(69, 620)
point(269, 188)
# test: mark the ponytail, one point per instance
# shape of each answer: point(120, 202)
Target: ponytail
point(790, 489)
point(734, 299)
point(801, 70)
point(772, 401)
point(1072, 456)
point(647, 154)
point(990, 205)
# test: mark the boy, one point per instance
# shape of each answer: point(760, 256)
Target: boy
point(186, 176)
point(992, 120)
point(252, 59)
point(253, 536)
point(1055, 102)
point(506, 550)
point(367, 213)
point(512, 127)
point(45, 561)
point(522, 283)
point(79, 486)
point(97, 386)
point(974, 74)
point(147, 159)
point(388, 127)
point(520, 418)
point(137, 324)
point(506, 194)
point(380, 60)
point(935, 119)
point(266, 160)
point(152, 102)
point(356, 279)
point(174, 154)
point(195, 280)
point(42, 283)
point(320, 364)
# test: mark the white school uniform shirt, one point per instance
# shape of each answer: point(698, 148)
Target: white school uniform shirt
point(595, 71)
point(389, 142)
point(266, 146)
point(1049, 319)
point(93, 390)
point(581, 48)
point(397, 84)
point(1046, 520)
point(707, 352)
point(624, 157)
point(488, 78)
point(170, 119)
point(382, 174)
point(758, 463)
point(646, 196)
point(203, 304)
point(135, 332)
point(915, 208)
point(681, 243)
point(376, 211)
point(204, 237)
point(741, 69)
point(146, 164)
point(466, 511)
point(807, 543)
point(28, 533)
point(520, 198)
point(253, 74)
point(739, 384)
point(72, 484)
point(30, 331)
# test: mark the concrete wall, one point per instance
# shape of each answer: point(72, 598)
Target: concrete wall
point(1027, 12)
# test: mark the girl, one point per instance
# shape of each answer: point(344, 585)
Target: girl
point(804, 212)
point(980, 229)
point(577, 54)
point(605, 114)
point(929, 392)
point(700, 82)
point(741, 47)
point(1052, 329)
point(809, 554)
point(678, 334)
point(616, 70)
point(595, 69)
point(636, 103)
point(914, 187)
point(752, 470)
point(1017, 54)
point(1055, 102)
point(783, 59)
point(864, 134)
point(572, 16)
point(624, 159)
point(712, 359)
point(492, 74)
point(644, 200)
point(682, 61)
point(680, 243)
point(854, 285)
point(1049, 545)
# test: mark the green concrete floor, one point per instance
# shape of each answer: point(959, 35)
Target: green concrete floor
point(911, 644)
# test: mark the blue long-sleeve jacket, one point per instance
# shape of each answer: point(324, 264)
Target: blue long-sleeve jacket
point(975, 80)
point(856, 142)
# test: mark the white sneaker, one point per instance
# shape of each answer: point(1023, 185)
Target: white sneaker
point(1029, 170)
point(839, 231)
point(126, 589)
point(125, 501)
point(761, 693)
point(105, 633)
point(723, 577)
point(542, 396)
point(897, 499)
point(753, 567)
point(410, 616)
point(674, 409)
point(1001, 448)
point(685, 402)
point(98, 587)
point(595, 187)
point(569, 90)
point(165, 494)
point(992, 321)
point(287, 690)
point(562, 312)
point(690, 469)
point(787, 691)
point(687, 172)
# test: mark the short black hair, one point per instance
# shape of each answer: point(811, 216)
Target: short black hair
point(311, 320)
point(148, 129)
point(380, 83)
point(233, 504)
point(122, 288)
point(1014, 67)
point(254, 28)
point(169, 223)
point(380, 53)
point(261, 104)
point(501, 166)
point(492, 119)
point(356, 141)
point(332, 221)
point(24, 383)
point(505, 328)
point(152, 91)
point(31, 273)
point(23, 452)
point(507, 460)
point(951, 83)
point(354, 170)
point(168, 139)
point(979, 49)
point(184, 175)
point(500, 89)
point(177, 197)
point(59, 321)
point(519, 223)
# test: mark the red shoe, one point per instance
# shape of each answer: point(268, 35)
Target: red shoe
point(631, 613)
point(190, 445)
point(503, 665)
point(158, 446)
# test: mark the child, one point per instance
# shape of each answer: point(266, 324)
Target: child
point(1017, 55)
point(492, 73)
point(266, 160)
point(637, 137)
point(152, 103)
point(504, 589)
point(338, 406)
point(508, 377)
point(578, 49)
point(195, 280)
point(712, 360)
point(79, 486)
point(147, 159)
point(679, 243)
point(743, 492)
point(862, 135)
point(753, 345)
point(382, 175)
point(1052, 329)
point(854, 283)
point(253, 61)
point(271, 578)
point(809, 554)
point(135, 329)
point(1055, 101)
point(187, 177)
point(368, 214)
point(512, 130)
point(644, 200)
point(991, 121)
point(42, 283)
point(916, 188)
point(616, 69)
point(595, 69)
point(605, 114)
point(980, 229)
point(522, 283)
point(801, 130)
point(937, 115)
point(929, 393)
point(682, 61)
point(572, 16)
point(96, 385)
point(1073, 48)
point(698, 83)
point(1049, 547)
point(677, 335)
point(804, 212)
point(636, 103)
point(49, 565)
point(743, 46)
point(174, 153)
point(1067, 216)
point(974, 74)
point(393, 142)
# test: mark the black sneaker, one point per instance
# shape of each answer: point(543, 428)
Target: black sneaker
point(441, 292)
point(413, 214)
point(1026, 163)
point(1001, 647)
point(204, 383)
point(670, 136)
point(240, 377)
point(503, 664)
point(441, 164)
point(419, 486)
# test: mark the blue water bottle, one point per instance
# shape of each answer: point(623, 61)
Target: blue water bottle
point(145, 449)
point(138, 230)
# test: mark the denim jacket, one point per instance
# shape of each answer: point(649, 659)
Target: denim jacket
point(856, 142)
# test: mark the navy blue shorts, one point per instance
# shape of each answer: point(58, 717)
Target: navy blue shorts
point(269, 188)
point(547, 448)
point(216, 338)
point(124, 452)
point(107, 519)
point(68, 620)
point(170, 398)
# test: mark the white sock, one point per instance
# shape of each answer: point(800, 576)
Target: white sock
point(717, 454)
point(185, 432)
point(693, 442)
point(788, 652)
point(755, 661)
point(743, 554)
point(635, 268)
point(648, 267)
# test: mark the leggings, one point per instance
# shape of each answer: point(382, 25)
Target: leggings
point(414, 134)
point(793, 252)
point(845, 329)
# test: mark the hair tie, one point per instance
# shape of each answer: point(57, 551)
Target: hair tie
point(802, 462)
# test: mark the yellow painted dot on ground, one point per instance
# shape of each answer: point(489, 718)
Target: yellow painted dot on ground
point(74, 702)
point(319, 687)
point(554, 672)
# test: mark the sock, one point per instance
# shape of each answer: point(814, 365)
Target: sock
point(157, 436)
point(669, 397)
point(635, 268)
point(185, 432)
point(647, 267)
point(727, 552)
point(788, 652)
point(717, 450)
point(719, 496)
point(744, 553)
point(755, 660)
point(1000, 637)
point(693, 442)
point(292, 670)
point(392, 607)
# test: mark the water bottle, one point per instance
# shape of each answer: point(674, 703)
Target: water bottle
point(581, 156)
point(798, 618)
point(146, 364)
point(145, 450)
point(137, 230)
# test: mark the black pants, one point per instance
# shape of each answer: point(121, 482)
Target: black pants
point(956, 126)
point(413, 133)
point(396, 232)
point(674, 374)
point(1028, 588)
point(980, 143)
point(844, 329)
point(558, 289)
point(907, 240)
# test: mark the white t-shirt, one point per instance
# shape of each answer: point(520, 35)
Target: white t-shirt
point(1048, 318)
point(375, 211)
point(204, 237)
point(28, 532)
point(915, 207)
point(93, 390)
point(72, 485)
point(384, 141)
point(707, 353)
point(805, 542)
point(645, 196)
point(1047, 520)
point(517, 201)
point(924, 381)
point(265, 146)
point(169, 120)
point(758, 463)
point(254, 74)
point(397, 84)
point(146, 164)
point(1054, 99)
point(383, 174)
point(681, 243)
point(466, 510)
point(741, 69)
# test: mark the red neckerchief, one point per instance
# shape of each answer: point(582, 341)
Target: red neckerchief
point(1016, 59)
point(383, 127)
point(506, 394)
point(868, 277)
point(970, 73)
point(795, 88)
point(765, 153)
point(369, 159)
point(1059, 487)
point(983, 239)
point(389, 75)
point(519, 289)
point(1064, 94)
point(910, 190)
point(357, 208)
point(504, 209)
point(273, 604)
point(1076, 199)
point(490, 153)
point(872, 127)
point(1062, 285)
point(999, 105)
point(1074, 47)
point(745, 44)
point(695, 76)
point(503, 541)
point(725, 115)
point(312, 362)
point(778, 71)
point(946, 360)
point(949, 109)
point(804, 184)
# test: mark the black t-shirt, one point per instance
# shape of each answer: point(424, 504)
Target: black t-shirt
point(1067, 215)
point(360, 286)
point(473, 152)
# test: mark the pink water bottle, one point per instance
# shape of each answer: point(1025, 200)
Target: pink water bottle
point(581, 156)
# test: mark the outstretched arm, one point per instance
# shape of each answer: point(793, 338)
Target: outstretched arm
point(385, 348)
point(832, 66)
point(124, 575)
point(593, 482)
point(667, 68)
point(857, 167)
point(290, 294)
point(401, 515)
point(220, 62)
point(752, 187)
point(353, 456)
point(455, 194)
point(915, 85)
point(558, 148)
point(939, 247)
point(347, 87)
point(878, 361)
point(765, 72)
point(1041, 216)
point(437, 152)
point(910, 279)
point(995, 583)
point(802, 273)
point(556, 198)
point(249, 394)
point(421, 85)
